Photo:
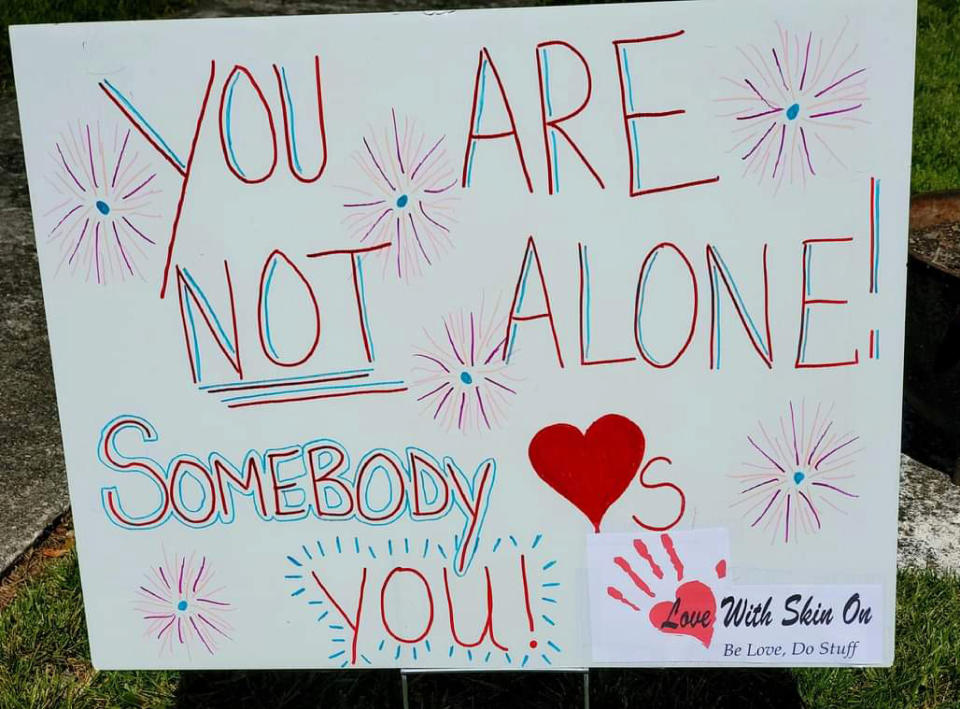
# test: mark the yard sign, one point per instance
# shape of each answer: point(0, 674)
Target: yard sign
point(511, 339)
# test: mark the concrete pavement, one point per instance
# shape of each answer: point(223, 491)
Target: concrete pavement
point(32, 478)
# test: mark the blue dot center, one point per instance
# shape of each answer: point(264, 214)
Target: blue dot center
point(798, 477)
point(466, 378)
point(793, 111)
point(402, 201)
point(182, 606)
point(103, 207)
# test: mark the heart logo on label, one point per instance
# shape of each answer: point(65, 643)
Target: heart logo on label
point(692, 612)
point(590, 469)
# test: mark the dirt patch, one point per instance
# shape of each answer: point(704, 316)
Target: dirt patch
point(55, 544)
point(935, 230)
point(934, 208)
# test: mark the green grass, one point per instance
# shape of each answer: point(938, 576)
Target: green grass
point(44, 657)
point(44, 662)
point(926, 670)
point(22, 12)
point(936, 108)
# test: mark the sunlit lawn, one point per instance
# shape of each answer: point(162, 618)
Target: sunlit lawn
point(44, 662)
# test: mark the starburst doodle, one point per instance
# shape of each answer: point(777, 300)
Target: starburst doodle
point(407, 200)
point(801, 467)
point(463, 376)
point(182, 610)
point(797, 99)
point(104, 193)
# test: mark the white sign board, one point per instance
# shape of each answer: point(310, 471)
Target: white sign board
point(500, 339)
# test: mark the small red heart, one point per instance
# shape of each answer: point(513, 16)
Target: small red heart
point(591, 470)
point(693, 612)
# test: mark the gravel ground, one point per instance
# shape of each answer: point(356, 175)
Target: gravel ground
point(929, 528)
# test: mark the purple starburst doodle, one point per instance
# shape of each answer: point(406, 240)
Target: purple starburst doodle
point(408, 197)
point(795, 100)
point(461, 379)
point(104, 194)
point(800, 467)
point(181, 608)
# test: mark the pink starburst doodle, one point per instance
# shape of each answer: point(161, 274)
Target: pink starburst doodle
point(461, 379)
point(408, 197)
point(796, 99)
point(800, 468)
point(104, 194)
point(181, 608)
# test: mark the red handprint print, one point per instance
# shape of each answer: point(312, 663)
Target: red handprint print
point(694, 607)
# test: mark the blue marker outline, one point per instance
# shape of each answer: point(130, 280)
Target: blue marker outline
point(546, 81)
point(150, 437)
point(633, 124)
point(266, 303)
point(231, 487)
point(740, 304)
point(586, 302)
point(528, 261)
point(743, 308)
point(643, 297)
point(716, 317)
point(123, 99)
point(553, 133)
point(195, 341)
point(296, 452)
point(556, 170)
point(327, 480)
point(449, 463)
point(363, 305)
point(413, 470)
point(319, 375)
point(293, 131)
point(227, 116)
point(369, 510)
point(476, 129)
point(197, 290)
point(876, 236)
point(329, 387)
point(190, 472)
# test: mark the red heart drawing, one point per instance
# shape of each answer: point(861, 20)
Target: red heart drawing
point(591, 470)
point(692, 612)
